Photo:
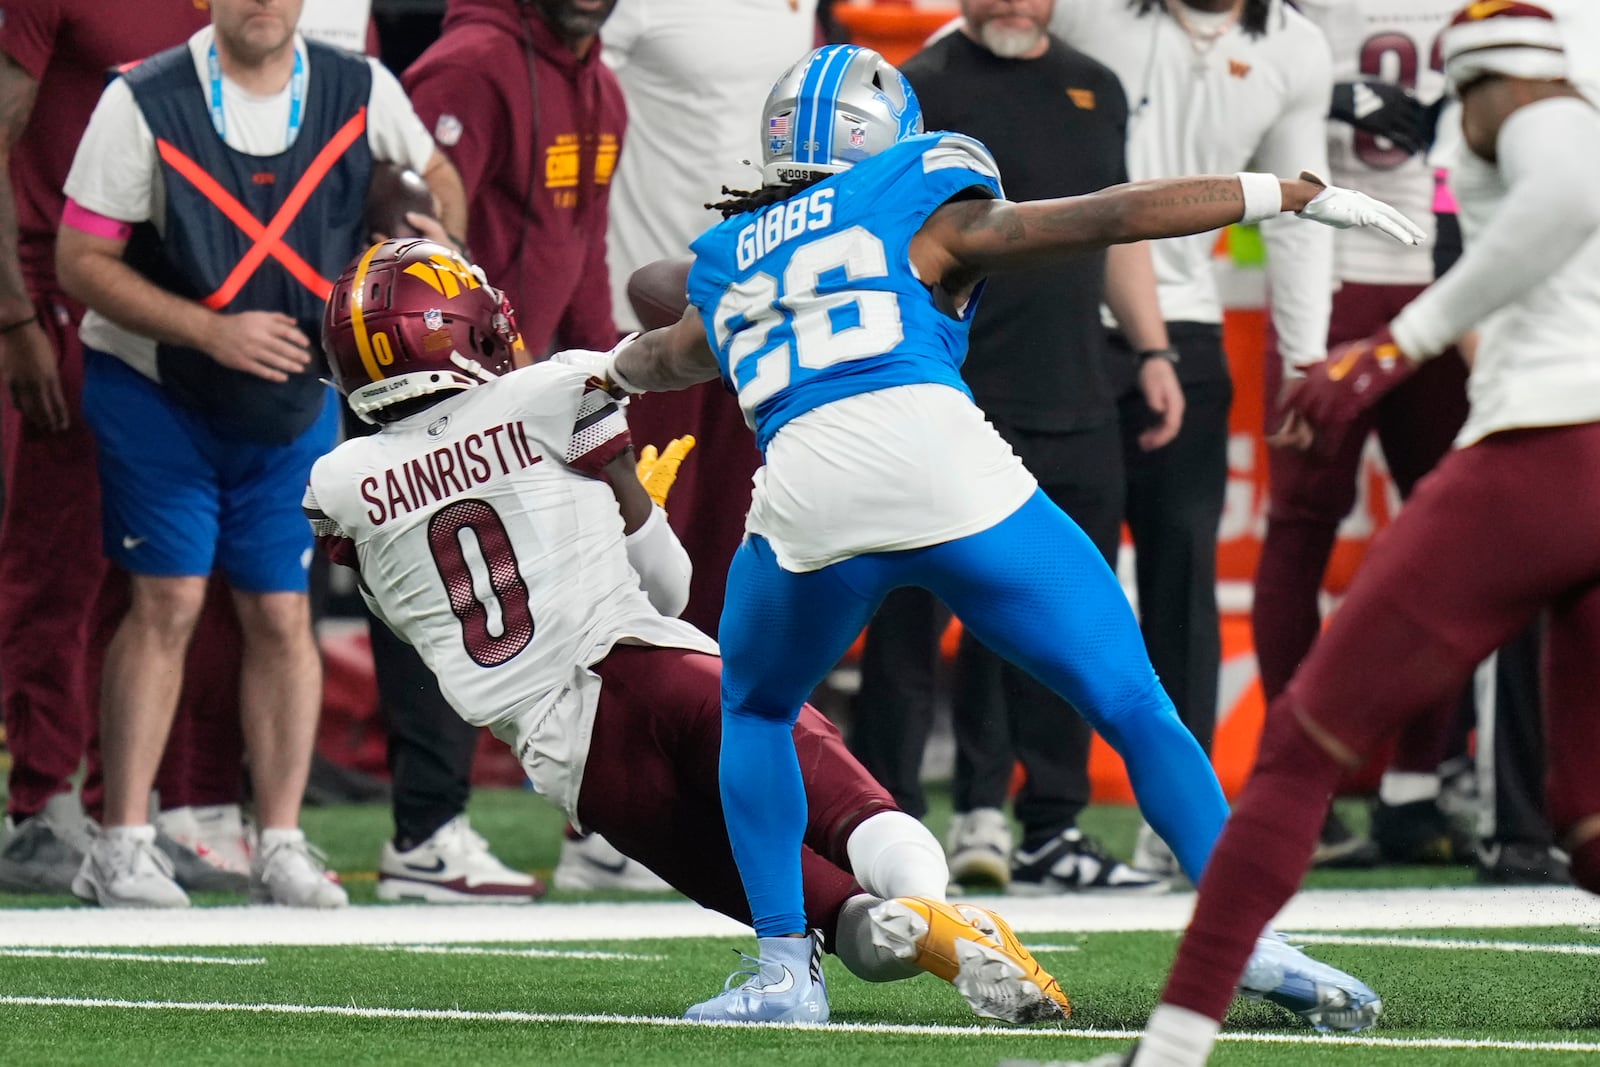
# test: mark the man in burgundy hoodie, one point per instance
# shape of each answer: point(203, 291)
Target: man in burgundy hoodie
point(518, 99)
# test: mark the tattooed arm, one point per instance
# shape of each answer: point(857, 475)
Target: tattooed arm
point(27, 359)
point(673, 357)
point(967, 239)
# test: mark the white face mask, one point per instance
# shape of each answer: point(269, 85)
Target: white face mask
point(1010, 42)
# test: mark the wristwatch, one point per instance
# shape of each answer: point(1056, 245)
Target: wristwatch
point(1168, 354)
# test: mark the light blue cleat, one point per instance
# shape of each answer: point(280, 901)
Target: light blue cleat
point(1323, 996)
point(784, 986)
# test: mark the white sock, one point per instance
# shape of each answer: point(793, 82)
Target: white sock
point(1176, 1037)
point(1407, 787)
point(893, 855)
point(272, 837)
point(852, 943)
point(145, 833)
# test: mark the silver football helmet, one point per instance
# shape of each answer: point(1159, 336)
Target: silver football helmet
point(839, 105)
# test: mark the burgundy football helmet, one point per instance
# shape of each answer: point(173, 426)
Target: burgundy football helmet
point(409, 318)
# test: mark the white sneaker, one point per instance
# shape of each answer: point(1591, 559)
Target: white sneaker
point(43, 854)
point(1152, 853)
point(222, 838)
point(979, 847)
point(124, 869)
point(454, 866)
point(287, 870)
point(214, 832)
point(590, 862)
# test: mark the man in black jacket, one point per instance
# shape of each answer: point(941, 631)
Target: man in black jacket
point(1056, 122)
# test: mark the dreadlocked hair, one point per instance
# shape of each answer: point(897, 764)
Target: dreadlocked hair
point(1253, 20)
point(746, 200)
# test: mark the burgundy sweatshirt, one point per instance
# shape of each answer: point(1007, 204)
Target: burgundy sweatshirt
point(537, 184)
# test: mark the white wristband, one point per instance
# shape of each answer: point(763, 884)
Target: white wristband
point(1263, 196)
point(617, 379)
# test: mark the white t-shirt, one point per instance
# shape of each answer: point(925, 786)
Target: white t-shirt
point(928, 468)
point(1246, 103)
point(692, 120)
point(1394, 41)
point(116, 172)
point(484, 545)
point(1530, 276)
point(341, 23)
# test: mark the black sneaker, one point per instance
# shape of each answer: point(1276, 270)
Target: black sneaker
point(192, 872)
point(1070, 862)
point(1339, 846)
point(1419, 833)
point(1521, 863)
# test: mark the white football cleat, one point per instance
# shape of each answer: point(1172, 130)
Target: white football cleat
point(287, 870)
point(1324, 996)
point(124, 869)
point(787, 988)
point(453, 866)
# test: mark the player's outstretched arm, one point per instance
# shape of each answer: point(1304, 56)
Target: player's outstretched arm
point(966, 239)
point(673, 357)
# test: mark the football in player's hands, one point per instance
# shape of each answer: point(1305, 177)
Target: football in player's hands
point(392, 191)
point(659, 292)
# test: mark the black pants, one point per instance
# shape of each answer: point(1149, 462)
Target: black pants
point(1000, 713)
point(894, 708)
point(1511, 744)
point(1174, 505)
point(430, 747)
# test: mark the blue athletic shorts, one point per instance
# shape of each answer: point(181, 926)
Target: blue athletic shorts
point(178, 499)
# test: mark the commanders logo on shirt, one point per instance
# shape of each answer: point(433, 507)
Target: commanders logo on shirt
point(447, 131)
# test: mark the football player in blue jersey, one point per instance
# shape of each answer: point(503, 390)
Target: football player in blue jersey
point(836, 301)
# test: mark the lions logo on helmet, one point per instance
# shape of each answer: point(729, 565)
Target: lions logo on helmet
point(839, 105)
point(409, 319)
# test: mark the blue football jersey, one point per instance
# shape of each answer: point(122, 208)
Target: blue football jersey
point(813, 299)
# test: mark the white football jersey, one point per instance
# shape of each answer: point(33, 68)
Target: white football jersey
point(1395, 41)
point(486, 537)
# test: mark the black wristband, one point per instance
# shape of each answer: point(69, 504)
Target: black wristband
point(1168, 354)
point(19, 324)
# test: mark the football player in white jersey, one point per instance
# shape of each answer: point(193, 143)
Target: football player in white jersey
point(1507, 526)
point(1388, 47)
point(497, 523)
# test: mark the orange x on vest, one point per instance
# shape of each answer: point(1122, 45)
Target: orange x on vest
point(269, 238)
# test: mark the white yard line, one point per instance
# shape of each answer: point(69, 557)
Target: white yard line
point(986, 1032)
point(1331, 910)
point(525, 953)
point(1443, 943)
point(132, 957)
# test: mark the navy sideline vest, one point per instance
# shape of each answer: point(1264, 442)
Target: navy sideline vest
point(203, 246)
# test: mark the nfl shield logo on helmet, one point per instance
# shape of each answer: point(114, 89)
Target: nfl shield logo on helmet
point(433, 318)
point(858, 137)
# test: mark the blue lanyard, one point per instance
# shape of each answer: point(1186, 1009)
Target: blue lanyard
point(297, 93)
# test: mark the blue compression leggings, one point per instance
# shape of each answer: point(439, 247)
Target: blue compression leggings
point(1033, 588)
